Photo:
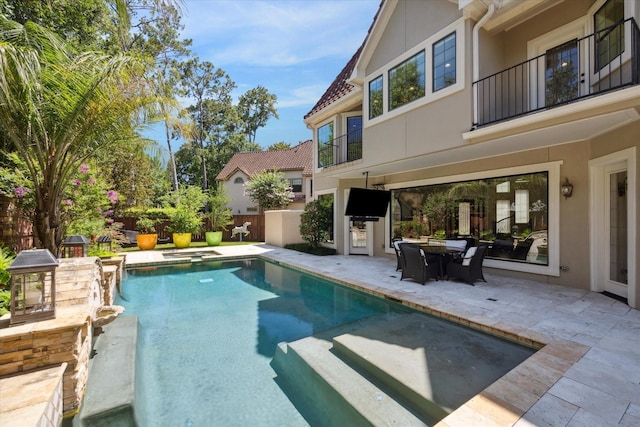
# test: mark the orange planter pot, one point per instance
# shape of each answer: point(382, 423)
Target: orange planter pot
point(146, 241)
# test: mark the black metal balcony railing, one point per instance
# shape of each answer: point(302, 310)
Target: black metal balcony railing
point(343, 149)
point(593, 65)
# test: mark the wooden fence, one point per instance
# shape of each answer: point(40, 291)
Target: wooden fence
point(256, 229)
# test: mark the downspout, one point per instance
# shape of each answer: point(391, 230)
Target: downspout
point(476, 57)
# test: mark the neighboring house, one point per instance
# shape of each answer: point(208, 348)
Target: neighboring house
point(295, 163)
point(478, 116)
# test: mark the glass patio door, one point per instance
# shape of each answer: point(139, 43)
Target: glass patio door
point(561, 73)
point(358, 238)
point(617, 235)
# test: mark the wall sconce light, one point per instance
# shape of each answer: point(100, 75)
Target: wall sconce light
point(566, 188)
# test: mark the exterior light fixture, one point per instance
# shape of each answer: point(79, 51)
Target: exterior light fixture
point(75, 246)
point(105, 243)
point(566, 188)
point(33, 286)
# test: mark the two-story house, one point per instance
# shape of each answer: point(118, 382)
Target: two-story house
point(294, 163)
point(515, 123)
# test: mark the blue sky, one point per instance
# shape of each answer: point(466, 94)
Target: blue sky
point(294, 48)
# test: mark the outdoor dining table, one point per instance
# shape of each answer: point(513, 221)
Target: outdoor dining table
point(445, 253)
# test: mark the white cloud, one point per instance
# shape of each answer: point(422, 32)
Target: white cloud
point(276, 33)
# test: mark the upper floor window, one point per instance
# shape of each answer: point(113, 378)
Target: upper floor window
point(444, 62)
point(238, 180)
point(296, 185)
point(406, 81)
point(609, 36)
point(375, 97)
point(325, 145)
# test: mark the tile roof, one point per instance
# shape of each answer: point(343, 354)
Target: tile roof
point(299, 157)
point(339, 87)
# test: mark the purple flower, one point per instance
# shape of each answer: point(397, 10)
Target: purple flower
point(67, 202)
point(107, 213)
point(99, 209)
point(112, 195)
point(78, 183)
point(84, 168)
point(91, 181)
point(20, 191)
point(110, 221)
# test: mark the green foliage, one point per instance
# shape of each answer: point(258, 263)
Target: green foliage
point(279, 146)
point(255, 107)
point(146, 225)
point(88, 204)
point(219, 214)
point(6, 258)
point(411, 229)
point(270, 190)
point(60, 107)
point(185, 208)
point(316, 222)
point(310, 249)
point(439, 208)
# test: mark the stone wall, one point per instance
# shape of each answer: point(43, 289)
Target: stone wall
point(65, 339)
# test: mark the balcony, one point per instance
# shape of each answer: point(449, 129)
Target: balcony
point(343, 149)
point(583, 68)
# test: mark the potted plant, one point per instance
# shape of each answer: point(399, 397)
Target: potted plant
point(184, 222)
point(146, 237)
point(220, 216)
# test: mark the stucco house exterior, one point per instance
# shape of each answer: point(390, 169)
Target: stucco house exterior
point(295, 163)
point(515, 123)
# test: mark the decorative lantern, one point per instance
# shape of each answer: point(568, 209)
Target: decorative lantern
point(75, 246)
point(33, 286)
point(104, 244)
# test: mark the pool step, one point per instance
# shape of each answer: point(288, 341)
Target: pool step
point(396, 355)
point(110, 395)
point(328, 392)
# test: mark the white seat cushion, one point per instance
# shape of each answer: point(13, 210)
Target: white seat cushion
point(470, 253)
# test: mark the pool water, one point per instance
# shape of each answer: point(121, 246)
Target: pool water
point(208, 332)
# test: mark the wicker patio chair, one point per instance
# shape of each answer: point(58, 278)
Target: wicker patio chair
point(416, 265)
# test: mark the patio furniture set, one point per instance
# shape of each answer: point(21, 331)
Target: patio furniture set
point(440, 260)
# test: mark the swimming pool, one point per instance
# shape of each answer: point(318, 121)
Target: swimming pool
point(209, 330)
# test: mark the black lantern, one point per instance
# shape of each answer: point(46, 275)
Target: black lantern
point(33, 286)
point(75, 246)
point(104, 244)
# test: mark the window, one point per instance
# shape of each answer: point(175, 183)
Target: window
point(444, 62)
point(238, 180)
point(325, 145)
point(406, 81)
point(375, 97)
point(609, 36)
point(296, 185)
point(509, 213)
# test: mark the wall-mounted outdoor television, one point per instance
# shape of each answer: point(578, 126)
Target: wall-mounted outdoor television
point(365, 203)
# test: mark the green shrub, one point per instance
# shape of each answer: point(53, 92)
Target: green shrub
point(309, 249)
point(6, 258)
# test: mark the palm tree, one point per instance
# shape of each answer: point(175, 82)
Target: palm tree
point(58, 108)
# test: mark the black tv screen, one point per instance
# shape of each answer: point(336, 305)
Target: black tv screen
point(367, 203)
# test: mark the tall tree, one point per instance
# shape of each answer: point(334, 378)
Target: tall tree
point(212, 113)
point(83, 24)
point(59, 108)
point(256, 106)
